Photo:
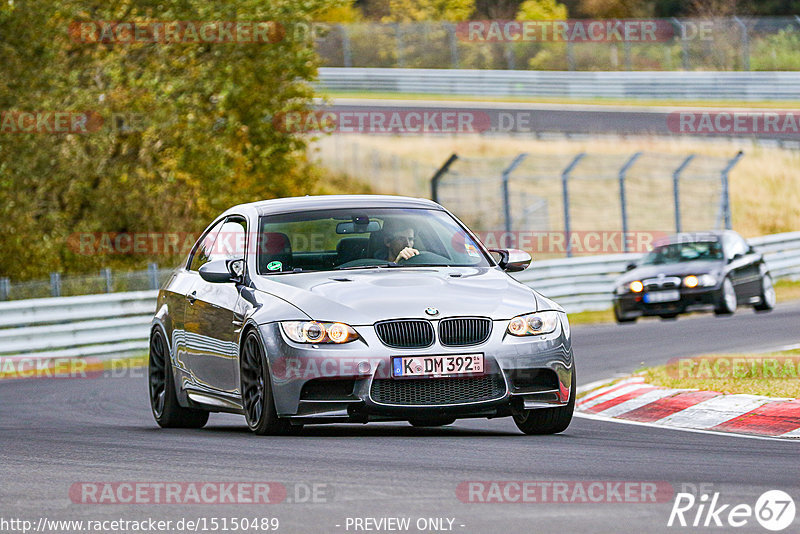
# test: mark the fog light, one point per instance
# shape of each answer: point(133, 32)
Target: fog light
point(691, 281)
point(636, 286)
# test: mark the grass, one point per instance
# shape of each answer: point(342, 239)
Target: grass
point(773, 374)
point(552, 100)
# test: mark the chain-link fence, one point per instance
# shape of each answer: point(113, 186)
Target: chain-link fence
point(106, 281)
point(729, 43)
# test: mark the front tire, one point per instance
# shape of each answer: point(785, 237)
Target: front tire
point(768, 297)
point(726, 302)
point(164, 404)
point(547, 420)
point(257, 398)
point(623, 320)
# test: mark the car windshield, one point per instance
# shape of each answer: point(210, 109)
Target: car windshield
point(680, 252)
point(364, 238)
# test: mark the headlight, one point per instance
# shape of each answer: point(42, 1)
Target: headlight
point(703, 280)
point(636, 286)
point(318, 332)
point(533, 324)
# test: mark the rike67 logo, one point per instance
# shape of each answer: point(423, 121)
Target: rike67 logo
point(774, 510)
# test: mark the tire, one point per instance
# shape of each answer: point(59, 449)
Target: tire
point(768, 298)
point(623, 320)
point(164, 404)
point(547, 420)
point(726, 302)
point(257, 398)
point(421, 423)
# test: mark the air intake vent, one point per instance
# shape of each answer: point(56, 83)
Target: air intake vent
point(462, 331)
point(433, 391)
point(407, 334)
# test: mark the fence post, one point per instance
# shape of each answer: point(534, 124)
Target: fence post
point(55, 284)
point(628, 55)
point(451, 33)
point(347, 54)
point(570, 55)
point(5, 288)
point(398, 37)
point(622, 202)
point(745, 43)
point(676, 191)
point(565, 197)
point(684, 43)
point(726, 200)
point(106, 274)
point(152, 271)
point(506, 194)
point(437, 176)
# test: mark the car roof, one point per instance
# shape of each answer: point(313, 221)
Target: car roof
point(691, 237)
point(290, 204)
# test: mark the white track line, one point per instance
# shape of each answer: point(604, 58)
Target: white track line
point(680, 429)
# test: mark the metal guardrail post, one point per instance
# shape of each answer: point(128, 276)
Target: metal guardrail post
point(565, 197)
point(437, 176)
point(676, 178)
point(726, 200)
point(5, 288)
point(570, 55)
point(55, 284)
point(347, 53)
point(152, 271)
point(745, 43)
point(398, 37)
point(622, 201)
point(684, 43)
point(628, 55)
point(106, 274)
point(506, 193)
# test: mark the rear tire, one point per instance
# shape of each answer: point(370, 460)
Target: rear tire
point(164, 404)
point(547, 420)
point(768, 297)
point(257, 399)
point(726, 302)
point(422, 423)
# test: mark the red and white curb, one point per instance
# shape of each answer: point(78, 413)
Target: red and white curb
point(633, 400)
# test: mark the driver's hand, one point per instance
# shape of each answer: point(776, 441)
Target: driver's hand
point(406, 253)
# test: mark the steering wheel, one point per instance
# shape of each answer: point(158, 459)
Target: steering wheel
point(363, 262)
point(425, 257)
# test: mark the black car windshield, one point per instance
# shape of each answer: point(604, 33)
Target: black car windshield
point(680, 252)
point(363, 238)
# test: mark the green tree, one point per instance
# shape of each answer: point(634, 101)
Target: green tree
point(542, 10)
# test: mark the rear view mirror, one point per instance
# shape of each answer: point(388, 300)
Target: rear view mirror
point(351, 227)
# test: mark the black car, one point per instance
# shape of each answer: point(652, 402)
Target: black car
point(694, 271)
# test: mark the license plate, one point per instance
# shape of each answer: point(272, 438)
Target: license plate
point(442, 365)
point(662, 296)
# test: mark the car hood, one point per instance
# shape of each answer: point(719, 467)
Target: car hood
point(671, 269)
point(363, 297)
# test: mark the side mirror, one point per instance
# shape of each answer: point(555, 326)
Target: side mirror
point(735, 257)
point(630, 266)
point(513, 260)
point(222, 271)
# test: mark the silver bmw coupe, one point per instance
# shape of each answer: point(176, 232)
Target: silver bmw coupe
point(354, 309)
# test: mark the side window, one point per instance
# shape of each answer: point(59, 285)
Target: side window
point(231, 241)
point(204, 248)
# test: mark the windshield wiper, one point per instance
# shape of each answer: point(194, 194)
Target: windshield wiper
point(376, 266)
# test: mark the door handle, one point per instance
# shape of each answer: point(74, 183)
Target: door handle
point(191, 297)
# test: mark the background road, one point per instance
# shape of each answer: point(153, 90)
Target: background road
point(54, 433)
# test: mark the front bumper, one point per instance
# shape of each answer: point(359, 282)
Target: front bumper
point(325, 383)
point(630, 305)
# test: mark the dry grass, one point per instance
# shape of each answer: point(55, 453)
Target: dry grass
point(774, 374)
point(764, 186)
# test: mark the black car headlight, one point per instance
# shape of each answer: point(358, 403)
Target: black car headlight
point(318, 332)
point(701, 280)
point(533, 324)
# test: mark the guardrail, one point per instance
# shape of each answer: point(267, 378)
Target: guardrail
point(118, 324)
point(716, 85)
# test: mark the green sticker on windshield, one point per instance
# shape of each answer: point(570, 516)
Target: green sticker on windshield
point(274, 266)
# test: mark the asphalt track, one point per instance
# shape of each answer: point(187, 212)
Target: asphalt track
point(571, 119)
point(55, 433)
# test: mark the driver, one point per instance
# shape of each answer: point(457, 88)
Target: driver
point(399, 240)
